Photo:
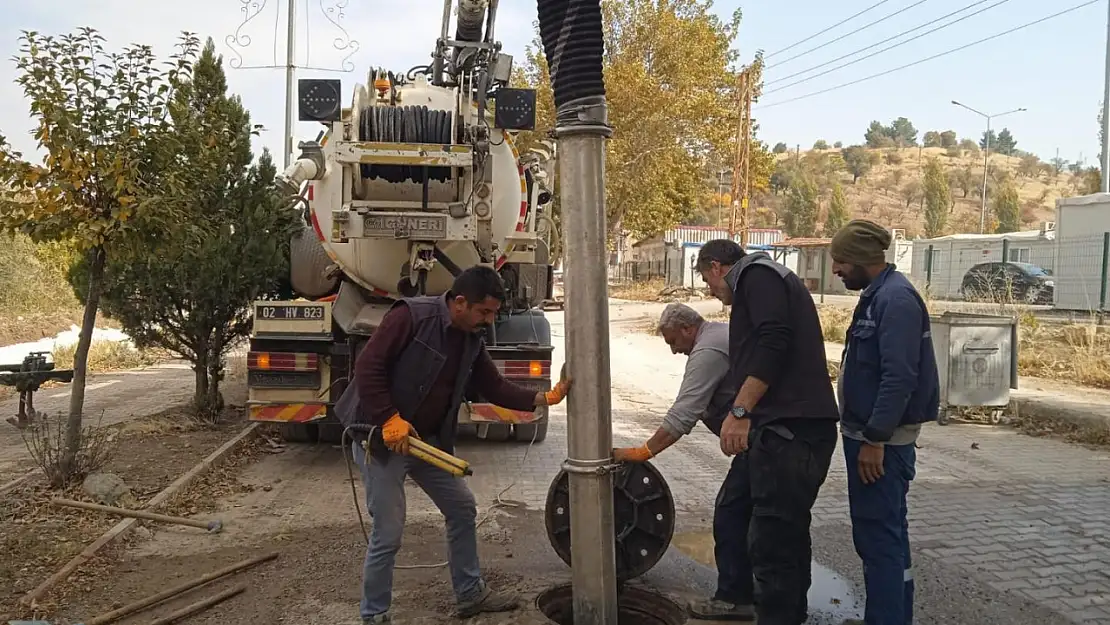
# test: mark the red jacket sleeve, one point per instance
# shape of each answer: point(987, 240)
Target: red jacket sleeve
point(488, 381)
point(373, 364)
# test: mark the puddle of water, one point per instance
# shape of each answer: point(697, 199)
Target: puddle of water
point(829, 594)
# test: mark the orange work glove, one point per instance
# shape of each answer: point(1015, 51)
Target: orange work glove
point(633, 454)
point(557, 394)
point(396, 433)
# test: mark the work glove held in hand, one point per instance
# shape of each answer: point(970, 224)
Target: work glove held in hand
point(396, 433)
point(633, 454)
point(557, 394)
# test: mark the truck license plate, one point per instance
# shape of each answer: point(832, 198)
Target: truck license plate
point(290, 312)
point(405, 226)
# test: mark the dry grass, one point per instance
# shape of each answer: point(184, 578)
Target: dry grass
point(1075, 353)
point(834, 322)
point(106, 356)
point(36, 301)
point(1078, 353)
point(639, 291)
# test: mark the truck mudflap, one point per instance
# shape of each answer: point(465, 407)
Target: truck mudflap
point(287, 412)
point(489, 413)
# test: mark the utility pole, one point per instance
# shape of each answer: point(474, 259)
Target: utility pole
point(986, 156)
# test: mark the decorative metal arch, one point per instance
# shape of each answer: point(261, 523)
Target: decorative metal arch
point(332, 11)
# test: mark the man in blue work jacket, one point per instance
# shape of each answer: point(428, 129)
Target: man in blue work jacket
point(888, 388)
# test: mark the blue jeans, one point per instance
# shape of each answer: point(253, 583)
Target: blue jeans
point(881, 533)
point(384, 480)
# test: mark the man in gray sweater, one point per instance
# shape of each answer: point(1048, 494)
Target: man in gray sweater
point(701, 396)
point(706, 395)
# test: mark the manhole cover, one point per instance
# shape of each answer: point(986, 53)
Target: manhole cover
point(643, 509)
point(635, 606)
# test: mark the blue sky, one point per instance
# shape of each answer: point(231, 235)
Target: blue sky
point(1055, 69)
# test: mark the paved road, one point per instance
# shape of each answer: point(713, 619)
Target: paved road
point(1007, 529)
point(109, 398)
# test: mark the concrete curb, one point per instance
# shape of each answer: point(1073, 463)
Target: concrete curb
point(1043, 405)
point(121, 528)
point(1036, 404)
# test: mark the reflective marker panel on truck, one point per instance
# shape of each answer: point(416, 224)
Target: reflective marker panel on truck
point(527, 373)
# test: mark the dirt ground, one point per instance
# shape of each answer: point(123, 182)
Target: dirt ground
point(148, 454)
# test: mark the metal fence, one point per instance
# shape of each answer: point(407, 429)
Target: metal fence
point(1080, 272)
point(1077, 268)
point(670, 270)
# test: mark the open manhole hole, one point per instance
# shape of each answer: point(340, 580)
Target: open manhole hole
point(644, 518)
point(635, 606)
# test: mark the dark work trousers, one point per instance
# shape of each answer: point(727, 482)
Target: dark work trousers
point(881, 533)
point(762, 517)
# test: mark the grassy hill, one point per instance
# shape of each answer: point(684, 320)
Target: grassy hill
point(890, 193)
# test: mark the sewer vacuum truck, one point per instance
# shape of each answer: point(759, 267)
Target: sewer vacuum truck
point(416, 181)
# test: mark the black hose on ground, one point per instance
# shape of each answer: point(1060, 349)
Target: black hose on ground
point(573, 43)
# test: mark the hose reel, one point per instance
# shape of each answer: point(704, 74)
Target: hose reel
point(404, 124)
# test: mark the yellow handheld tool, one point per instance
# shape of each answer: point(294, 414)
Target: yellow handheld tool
point(438, 458)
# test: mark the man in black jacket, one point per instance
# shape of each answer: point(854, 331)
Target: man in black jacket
point(781, 430)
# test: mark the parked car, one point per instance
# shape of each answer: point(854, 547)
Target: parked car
point(1008, 282)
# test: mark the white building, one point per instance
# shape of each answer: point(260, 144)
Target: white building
point(672, 255)
point(953, 255)
point(1082, 227)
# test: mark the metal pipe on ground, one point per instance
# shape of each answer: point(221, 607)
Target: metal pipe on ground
point(571, 32)
point(214, 526)
point(165, 595)
point(203, 604)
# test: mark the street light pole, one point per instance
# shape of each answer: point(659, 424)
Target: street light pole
point(986, 156)
point(290, 80)
point(1106, 116)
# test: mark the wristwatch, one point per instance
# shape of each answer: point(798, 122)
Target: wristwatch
point(739, 412)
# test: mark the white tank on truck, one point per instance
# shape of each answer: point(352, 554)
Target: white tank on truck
point(417, 180)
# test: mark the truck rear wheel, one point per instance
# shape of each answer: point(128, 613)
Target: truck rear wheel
point(530, 432)
point(299, 432)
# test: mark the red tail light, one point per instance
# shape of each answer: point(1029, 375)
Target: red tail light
point(525, 368)
point(282, 361)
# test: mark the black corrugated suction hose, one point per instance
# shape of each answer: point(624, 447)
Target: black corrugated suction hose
point(573, 44)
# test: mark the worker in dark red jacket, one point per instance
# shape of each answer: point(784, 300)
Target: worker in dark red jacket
point(411, 378)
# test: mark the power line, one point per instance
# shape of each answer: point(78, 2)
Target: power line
point(849, 34)
point(815, 35)
point(935, 56)
point(887, 49)
point(879, 43)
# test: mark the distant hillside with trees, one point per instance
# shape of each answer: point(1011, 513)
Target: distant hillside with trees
point(927, 183)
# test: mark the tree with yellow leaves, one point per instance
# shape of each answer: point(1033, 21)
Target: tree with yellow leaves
point(103, 123)
point(671, 86)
